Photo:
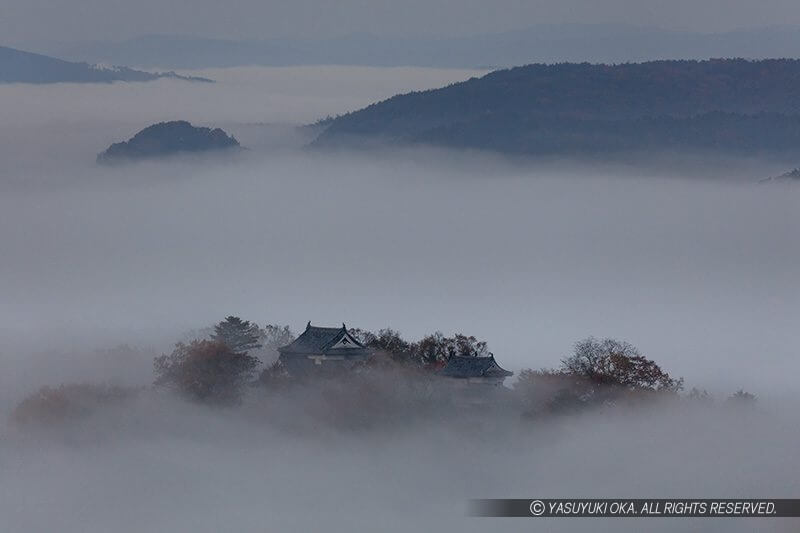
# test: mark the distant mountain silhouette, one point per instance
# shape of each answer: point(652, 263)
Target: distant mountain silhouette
point(543, 43)
point(791, 176)
point(168, 138)
point(17, 66)
point(548, 109)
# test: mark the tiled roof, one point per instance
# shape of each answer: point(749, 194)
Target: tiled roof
point(473, 367)
point(316, 340)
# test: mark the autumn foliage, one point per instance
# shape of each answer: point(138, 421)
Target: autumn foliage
point(614, 363)
point(68, 402)
point(597, 372)
point(400, 377)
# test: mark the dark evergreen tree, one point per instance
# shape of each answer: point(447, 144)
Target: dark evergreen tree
point(239, 335)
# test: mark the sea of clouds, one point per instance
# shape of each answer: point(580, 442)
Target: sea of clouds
point(686, 257)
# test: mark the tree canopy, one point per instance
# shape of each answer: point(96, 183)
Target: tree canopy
point(241, 336)
point(617, 363)
point(432, 350)
point(207, 371)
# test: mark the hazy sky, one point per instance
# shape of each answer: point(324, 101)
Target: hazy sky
point(34, 20)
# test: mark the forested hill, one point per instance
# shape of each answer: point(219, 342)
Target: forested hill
point(17, 66)
point(718, 104)
point(168, 138)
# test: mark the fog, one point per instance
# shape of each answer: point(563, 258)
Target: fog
point(686, 257)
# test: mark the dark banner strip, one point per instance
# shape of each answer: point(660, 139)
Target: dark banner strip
point(636, 508)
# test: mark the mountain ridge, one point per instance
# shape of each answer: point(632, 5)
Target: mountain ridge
point(19, 66)
point(583, 107)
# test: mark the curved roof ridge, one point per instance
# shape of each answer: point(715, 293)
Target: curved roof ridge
point(317, 339)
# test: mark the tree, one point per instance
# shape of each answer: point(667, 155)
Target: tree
point(389, 342)
point(363, 336)
point(239, 335)
point(597, 372)
point(68, 402)
point(431, 351)
point(615, 363)
point(275, 375)
point(742, 398)
point(273, 337)
point(700, 396)
point(546, 391)
point(436, 349)
point(207, 371)
point(467, 346)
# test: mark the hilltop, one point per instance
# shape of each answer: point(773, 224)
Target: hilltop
point(17, 66)
point(168, 138)
point(726, 104)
